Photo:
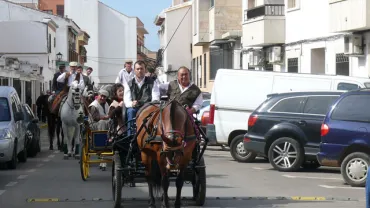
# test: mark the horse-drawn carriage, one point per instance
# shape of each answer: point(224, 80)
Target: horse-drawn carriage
point(129, 166)
point(93, 143)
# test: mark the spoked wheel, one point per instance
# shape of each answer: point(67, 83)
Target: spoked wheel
point(84, 162)
point(286, 154)
point(116, 186)
point(199, 184)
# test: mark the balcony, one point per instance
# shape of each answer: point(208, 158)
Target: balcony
point(72, 56)
point(264, 25)
point(142, 50)
point(349, 15)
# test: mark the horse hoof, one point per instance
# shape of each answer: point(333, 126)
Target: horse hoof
point(66, 157)
point(104, 169)
point(77, 157)
point(152, 206)
point(69, 155)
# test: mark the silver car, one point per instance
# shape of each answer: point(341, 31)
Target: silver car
point(12, 135)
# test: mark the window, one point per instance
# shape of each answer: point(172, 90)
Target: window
point(49, 44)
point(196, 71)
point(319, 104)
point(200, 71)
point(353, 108)
point(342, 64)
point(347, 86)
point(293, 65)
point(212, 3)
point(4, 109)
point(293, 4)
point(55, 42)
point(60, 10)
point(205, 71)
point(288, 105)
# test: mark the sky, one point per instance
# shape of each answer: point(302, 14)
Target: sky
point(146, 11)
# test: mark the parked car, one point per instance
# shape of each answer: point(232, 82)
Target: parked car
point(286, 129)
point(30, 124)
point(13, 143)
point(237, 93)
point(345, 137)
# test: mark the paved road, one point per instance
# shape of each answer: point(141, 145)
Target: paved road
point(49, 177)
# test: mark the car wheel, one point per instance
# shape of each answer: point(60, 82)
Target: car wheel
point(238, 152)
point(354, 169)
point(13, 163)
point(286, 154)
point(22, 156)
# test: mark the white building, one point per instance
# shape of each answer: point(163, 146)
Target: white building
point(29, 3)
point(63, 42)
point(112, 37)
point(321, 37)
point(32, 64)
point(263, 34)
point(178, 51)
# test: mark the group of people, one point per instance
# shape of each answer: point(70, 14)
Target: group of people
point(133, 88)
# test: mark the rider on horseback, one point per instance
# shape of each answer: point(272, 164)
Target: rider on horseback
point(186, 93)
point(67, 78)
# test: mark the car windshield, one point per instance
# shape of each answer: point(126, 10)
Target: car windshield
point(4, 110)
point(205, 103)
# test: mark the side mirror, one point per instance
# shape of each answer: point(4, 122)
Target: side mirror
point(35, 120)
point(18, 116)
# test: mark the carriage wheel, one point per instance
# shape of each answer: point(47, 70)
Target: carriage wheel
point(84, 159)
point(116, 186)
point(199, 184)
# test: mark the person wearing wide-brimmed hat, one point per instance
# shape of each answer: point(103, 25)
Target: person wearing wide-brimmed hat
point(126, 74)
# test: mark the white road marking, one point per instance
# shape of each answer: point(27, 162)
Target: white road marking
point(31, 170)
point(1, 192)
point(11, 184)
point(342, 187)
point(22, 176)
point(310, 177)
point(39, 165)
point(45, 160)
point(51, 156)
point(259, 168)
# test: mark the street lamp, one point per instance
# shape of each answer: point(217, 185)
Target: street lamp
point(59, 56)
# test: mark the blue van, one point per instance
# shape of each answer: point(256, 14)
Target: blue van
point(345, 137)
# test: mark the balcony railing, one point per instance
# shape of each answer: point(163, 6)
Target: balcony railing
point(142, 49)
point(73, 56)
point(264, 10)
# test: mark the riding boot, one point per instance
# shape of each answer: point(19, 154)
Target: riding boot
point(65, 149)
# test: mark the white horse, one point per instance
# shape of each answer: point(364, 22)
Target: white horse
point(72, 116)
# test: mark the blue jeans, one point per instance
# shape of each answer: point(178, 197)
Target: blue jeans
point(367, 189)
point(131, 114)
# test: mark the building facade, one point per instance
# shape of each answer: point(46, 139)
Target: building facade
point(28, 65)
point(175, 47)
point(64, 42)
point(216, 39)
point(113, 37)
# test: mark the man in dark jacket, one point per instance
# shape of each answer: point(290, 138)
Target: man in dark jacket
point(139, 90)
point(57, 86)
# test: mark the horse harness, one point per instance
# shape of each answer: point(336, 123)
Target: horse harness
point(153, 138)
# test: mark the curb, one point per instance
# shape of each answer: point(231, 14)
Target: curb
point(260, 198)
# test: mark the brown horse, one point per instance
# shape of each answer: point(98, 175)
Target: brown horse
point(166, 139)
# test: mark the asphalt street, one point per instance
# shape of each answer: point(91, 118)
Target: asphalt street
point(49, 181)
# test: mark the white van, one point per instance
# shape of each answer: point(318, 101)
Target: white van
point(237, 93)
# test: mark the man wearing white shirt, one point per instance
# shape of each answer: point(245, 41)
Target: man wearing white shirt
point(68, 78)
point(139, 91)
point(126, 74)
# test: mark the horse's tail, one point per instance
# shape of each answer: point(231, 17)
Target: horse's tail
point(156, 177)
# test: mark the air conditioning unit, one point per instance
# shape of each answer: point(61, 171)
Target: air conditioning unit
point(254, 58)
point(274, 54)
point(353, 45)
